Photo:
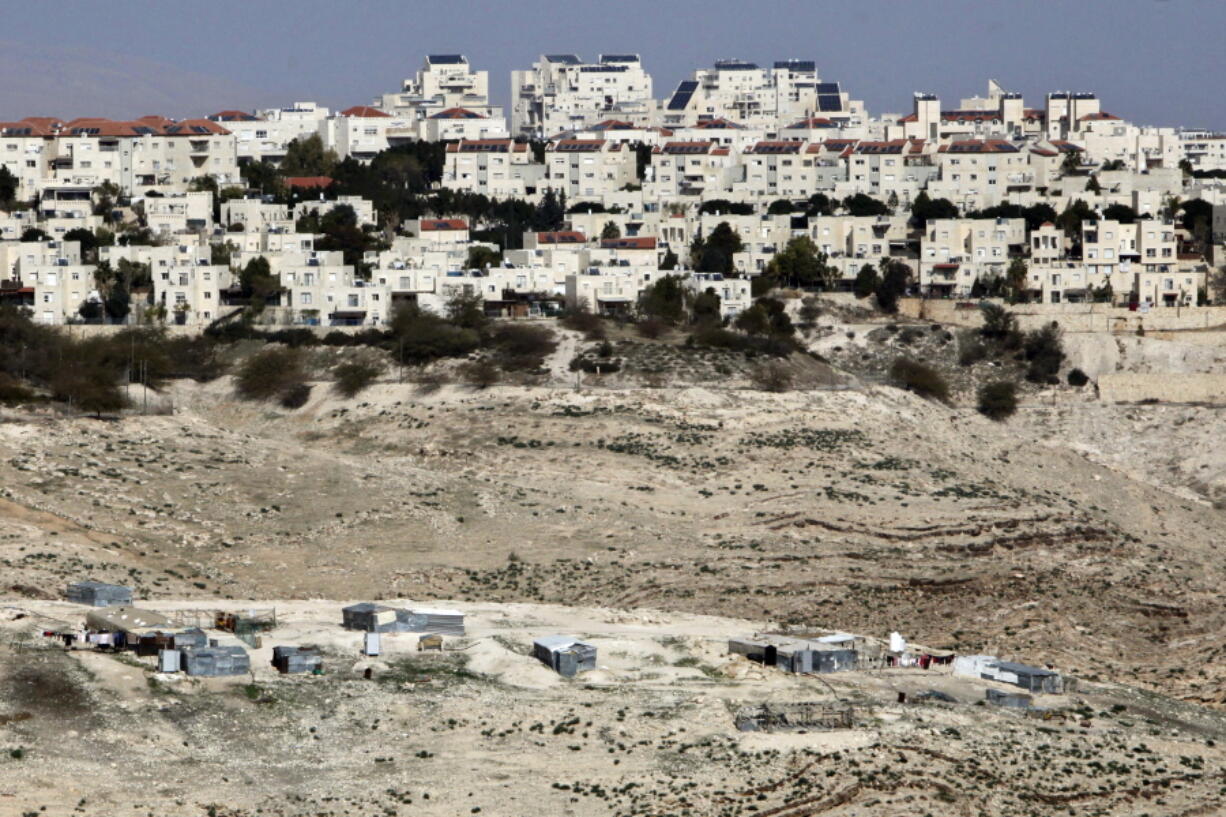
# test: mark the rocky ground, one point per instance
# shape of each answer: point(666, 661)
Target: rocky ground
point(483, 728)
point(1077, 533)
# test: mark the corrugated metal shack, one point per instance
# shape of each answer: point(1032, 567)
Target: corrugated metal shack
point(98, 594)
point(794, 654)
point(565, 655)
point(1031, 679)
point(378, 618)
point(374, 618)
point(129, 620)
point(216, 661)
point(296, 660)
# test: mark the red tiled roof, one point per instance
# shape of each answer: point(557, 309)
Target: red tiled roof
point(776, 147)
point(561, 237)
point(486, 146)
point(1097, 117)
point(718, 124)
point(979, 146)
point(364, 111)
point(687, 147)
point(645, 242)
point(195, 127)
point(233, 116)
point(455, 113)
point(432, 225)
point(576, 145)
point(306, 182)
point(613, 124)
point(43, 121)
point(812, 122)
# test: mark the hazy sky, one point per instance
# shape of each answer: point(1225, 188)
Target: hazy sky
point(1150, 61)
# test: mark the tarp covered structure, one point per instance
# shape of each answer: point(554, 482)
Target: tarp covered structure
point(565, 655)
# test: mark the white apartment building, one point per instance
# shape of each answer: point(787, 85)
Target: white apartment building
point(255, 214)
point(691, 169)
point(266, 135)
point(609, 290)
point(588, 169)
point(562, 94)
point(735, 294)
point(498, 168)
point(444, 82)
point(363, 131)
point(1204, 150)
point(363, 209)
point(975, 173)
point(26, 150)
point(179, 213)
point(768, 98)
point(955, 253)
point(149, 154)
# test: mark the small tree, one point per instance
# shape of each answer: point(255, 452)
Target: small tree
point(867, 281)
point(894, 283)
point(774, 377)
point(480, 373)
point(664, 299)
point(353, 377)
point(998, 399)
point(480, 257)
point(1045, 352)
point(1015, 280)
point(273, 372)
point(610, 230)
point(923, 380)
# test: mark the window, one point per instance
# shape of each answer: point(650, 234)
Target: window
point(304, 298)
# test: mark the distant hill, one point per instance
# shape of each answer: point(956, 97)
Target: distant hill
point(86, 82)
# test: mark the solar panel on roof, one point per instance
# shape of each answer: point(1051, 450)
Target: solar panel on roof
point(797, 65)
point(142, 130)
point(592, 69)
point(565, 59)
point(827, 87)
point(735, 65)
point(199, 129)
point(681, 97)
point(446, 59)
point(829, 102)
point(619, 57)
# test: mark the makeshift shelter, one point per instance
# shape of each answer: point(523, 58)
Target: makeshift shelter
point(442, 622)
point(565, 655)
point(128, 620)
point(98, 594)
point(991, 668)
point(378, 618)
point(296, 660)
point(216, 661)
point(374, 618)
point(794, 654)
point(1012, 700)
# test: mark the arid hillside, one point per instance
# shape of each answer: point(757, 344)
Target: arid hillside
point(857, 507)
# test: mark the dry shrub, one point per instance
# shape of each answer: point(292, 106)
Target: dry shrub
point(481, 373)
point(354, 376)
point(773, 377)
point(923, 380)
point(271, 373)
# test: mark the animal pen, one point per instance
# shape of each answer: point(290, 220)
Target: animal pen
point(795, 716)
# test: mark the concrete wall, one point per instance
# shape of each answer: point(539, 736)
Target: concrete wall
point(1167, 388)
point(1071, 317)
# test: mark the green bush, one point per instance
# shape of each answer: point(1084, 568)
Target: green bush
point(772, 377)
point(480, 373)
point(296, 396)
point(1045, 352)
point(353, 377)
point(582, 319)
point(1077, 378)
point(523, 347)
point(998, 400)
point(923, 380)
point(275, 372)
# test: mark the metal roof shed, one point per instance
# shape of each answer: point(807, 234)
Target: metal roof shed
point(216, 661)
point(565, 655)
point(99, 594)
